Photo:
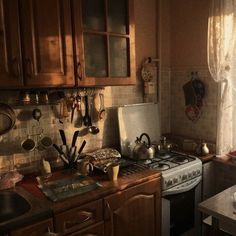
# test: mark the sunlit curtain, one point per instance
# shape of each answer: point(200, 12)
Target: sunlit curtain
point(222, 66)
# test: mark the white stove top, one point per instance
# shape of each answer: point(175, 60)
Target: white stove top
point(178, 170)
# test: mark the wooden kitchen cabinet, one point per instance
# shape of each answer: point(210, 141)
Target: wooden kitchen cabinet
point(135, 211)
point(36, 44)
point(10, 45)
point(72, 221)
point(94, 230)
point(38, 229)
point(104, 42)
point(47, 43)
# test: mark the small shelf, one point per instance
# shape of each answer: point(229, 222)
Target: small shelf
point(223, 226)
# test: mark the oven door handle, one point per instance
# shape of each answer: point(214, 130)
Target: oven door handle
point(184, 187)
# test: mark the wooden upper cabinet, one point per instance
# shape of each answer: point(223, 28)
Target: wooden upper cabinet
point(104, 42)
point(10, 56)
point(47, 47)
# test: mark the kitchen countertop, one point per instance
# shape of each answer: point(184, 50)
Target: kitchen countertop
point(108, 187)
point(204, 159)
point(222, 208)
point(43, 208)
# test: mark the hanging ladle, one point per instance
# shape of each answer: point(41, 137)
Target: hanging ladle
point(87, 119)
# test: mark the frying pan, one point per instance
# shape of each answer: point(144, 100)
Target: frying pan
point(7, 118)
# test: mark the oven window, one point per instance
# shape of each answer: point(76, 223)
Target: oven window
point(181, 212)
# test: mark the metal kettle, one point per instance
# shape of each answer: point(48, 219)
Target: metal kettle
point(143, 150)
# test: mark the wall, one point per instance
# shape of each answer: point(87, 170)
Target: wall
point(165, 80)
point(188, 52)
point(10, 149)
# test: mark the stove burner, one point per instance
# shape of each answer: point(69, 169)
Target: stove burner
point(163, 155)
point(146, 162)
point(160, 166)
point(180, 159)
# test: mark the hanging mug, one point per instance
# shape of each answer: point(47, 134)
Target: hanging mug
point(28, 144)
point(45, 143)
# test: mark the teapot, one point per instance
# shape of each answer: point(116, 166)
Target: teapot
point(143, 150)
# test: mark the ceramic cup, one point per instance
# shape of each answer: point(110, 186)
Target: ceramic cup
point(84, 167)
point(113, 171)
point(28, 144)
point(45, 143)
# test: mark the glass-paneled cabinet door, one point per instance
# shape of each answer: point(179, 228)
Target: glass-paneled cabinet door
point(104, 39)
point(10, 56)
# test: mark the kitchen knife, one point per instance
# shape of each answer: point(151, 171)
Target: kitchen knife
point(62, 154)
point(63, 136)
point(80, 150)
point(74, 138)
point(72, 148)
point(74, 105)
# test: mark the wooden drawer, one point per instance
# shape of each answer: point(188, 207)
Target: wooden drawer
point(78, 218)
point(38, 229)
point(94, 230)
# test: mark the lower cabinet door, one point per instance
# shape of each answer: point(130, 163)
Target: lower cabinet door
point(38, 229)
point(134, 211)
point(94, 230)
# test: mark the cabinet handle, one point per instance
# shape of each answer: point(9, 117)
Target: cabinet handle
point(79, 71)
point(29, 67)
point(70, 224)
point(16, 67)
point(50, 233)
point(108, 207)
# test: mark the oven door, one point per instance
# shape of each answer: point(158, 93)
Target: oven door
point(179, 213)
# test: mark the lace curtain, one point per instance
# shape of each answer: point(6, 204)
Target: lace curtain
point(222, 66)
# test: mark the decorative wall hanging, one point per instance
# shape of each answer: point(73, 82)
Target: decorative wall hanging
point(194, 92)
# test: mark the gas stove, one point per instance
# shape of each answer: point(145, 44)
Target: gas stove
point(179, 171)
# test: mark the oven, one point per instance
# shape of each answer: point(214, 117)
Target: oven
point(181, 193)
point(179, 212)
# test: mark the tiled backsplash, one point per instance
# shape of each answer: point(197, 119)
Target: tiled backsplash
point(165, 100)
point(172, 111)
point(205, 127)
point(108, 136)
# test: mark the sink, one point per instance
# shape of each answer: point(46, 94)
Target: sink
point(12, 205)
